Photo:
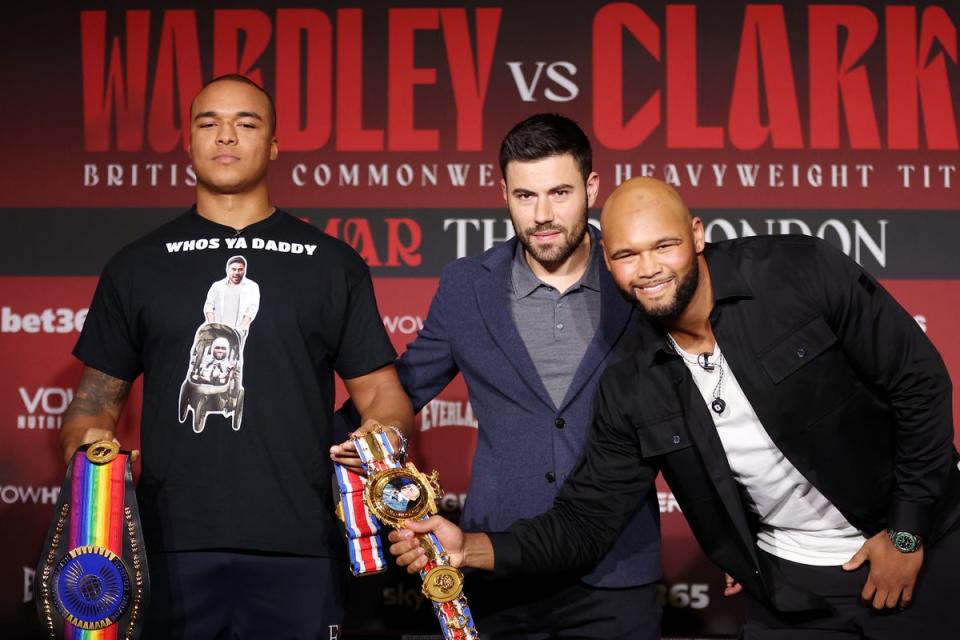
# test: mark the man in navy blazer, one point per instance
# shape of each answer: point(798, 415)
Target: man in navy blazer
point(532, 323)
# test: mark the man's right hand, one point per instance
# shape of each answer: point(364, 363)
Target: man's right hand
point(406, 542)
point(93, 434)
point(730, 585)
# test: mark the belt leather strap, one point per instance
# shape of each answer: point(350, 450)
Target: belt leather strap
point(367, 556)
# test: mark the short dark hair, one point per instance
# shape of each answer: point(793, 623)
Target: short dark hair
point(236, 77)
point(543, 135)
point(240, 259)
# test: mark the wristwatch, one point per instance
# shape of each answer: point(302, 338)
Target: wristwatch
point(400, 453)
point(904, 541)
point(395, 493)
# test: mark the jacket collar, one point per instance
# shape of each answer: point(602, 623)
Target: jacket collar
point(492, 294)
point(493, 258)
point(728, 283)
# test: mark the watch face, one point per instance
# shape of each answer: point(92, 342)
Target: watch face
point(905, 542)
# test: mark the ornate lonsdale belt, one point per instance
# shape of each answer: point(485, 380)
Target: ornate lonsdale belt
point(393, 493)
point(92, 578)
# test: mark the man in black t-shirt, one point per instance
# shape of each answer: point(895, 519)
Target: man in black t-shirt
point(235, 493)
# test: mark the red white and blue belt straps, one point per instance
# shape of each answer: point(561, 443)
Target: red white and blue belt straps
point(362, 529)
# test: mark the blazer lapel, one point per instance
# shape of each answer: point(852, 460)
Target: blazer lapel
point(614, 316)
point(492, 300)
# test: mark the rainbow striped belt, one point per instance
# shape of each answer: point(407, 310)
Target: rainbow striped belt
point(93, 580)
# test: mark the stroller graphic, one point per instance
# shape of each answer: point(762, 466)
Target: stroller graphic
point(213, 382)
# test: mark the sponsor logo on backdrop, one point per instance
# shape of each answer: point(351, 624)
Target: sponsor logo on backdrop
point(43, 407)
point(646, 88)
point(684, 595)
point(452, 502)
point(407, 325)
point(28, 494)
point(404, 596)
point(447, 413)
point(50, 320)
point(668, 504)
point(28, 576)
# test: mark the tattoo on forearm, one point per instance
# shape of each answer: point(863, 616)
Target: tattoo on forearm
point(98, 393)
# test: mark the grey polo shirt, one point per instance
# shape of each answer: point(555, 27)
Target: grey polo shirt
point(556, 327)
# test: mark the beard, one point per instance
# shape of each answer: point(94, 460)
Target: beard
point(686, 288)
point(553, 256)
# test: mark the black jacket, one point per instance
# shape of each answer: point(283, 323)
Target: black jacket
point(842, 378)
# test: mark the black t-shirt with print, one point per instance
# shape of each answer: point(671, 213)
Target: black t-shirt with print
point(238, 336)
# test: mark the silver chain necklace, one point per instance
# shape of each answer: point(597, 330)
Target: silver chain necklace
point(703, 361)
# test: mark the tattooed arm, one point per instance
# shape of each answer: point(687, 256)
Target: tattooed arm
point(94, 411)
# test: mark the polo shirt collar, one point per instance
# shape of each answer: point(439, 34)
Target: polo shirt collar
point(524, 281)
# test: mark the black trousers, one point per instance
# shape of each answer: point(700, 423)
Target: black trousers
point(931, 615)
point(542, 607)
point(223, 594)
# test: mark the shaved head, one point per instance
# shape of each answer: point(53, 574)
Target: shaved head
point(638, 194)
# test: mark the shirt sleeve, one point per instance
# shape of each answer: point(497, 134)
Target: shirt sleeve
point(210, 304)
point(605, 489)
point(364, 344)
point(428, 365)
point(895, 357)
point(108, 341)
point(253, 302)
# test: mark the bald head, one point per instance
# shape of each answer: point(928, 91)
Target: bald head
point(644, 194)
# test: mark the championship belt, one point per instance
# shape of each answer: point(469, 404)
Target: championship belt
point(395, 493)
point(92, 580)
point(363, 530)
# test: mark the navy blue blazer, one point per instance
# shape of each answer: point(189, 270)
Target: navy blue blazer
point(524, 440)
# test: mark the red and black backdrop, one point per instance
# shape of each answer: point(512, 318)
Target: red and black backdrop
point(834, 120)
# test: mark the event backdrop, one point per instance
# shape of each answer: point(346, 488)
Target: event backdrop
point(833, 120)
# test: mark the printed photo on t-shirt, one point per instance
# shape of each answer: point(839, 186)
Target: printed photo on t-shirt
point(214, 381)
